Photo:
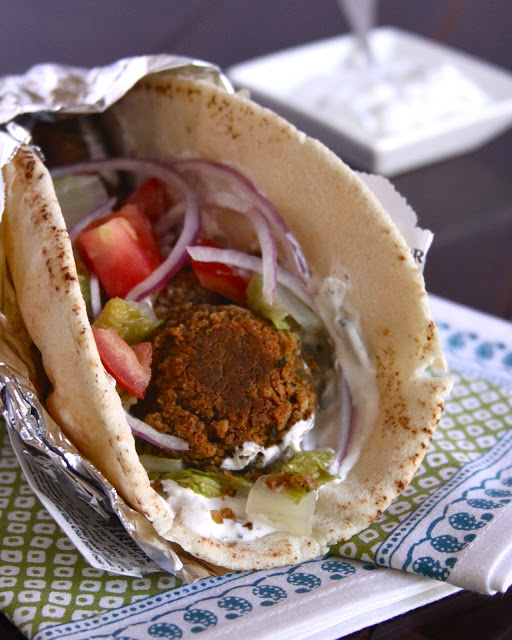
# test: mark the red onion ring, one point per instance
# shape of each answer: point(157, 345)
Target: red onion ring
point(346, 422)
point(246, 261)
point(162, 440)
point(211, 169)
point(174, 215)
point(263, 231)
point(94, 286)
point(99, 212)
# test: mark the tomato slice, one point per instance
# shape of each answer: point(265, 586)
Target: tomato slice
point(122, 248)
point(142, 227)
point(130, 367)
point(144, 353)
point(220, 278)
point(113, 251)
point(140, 224)
point(151, 198)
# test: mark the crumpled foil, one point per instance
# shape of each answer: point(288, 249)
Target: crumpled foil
point(110, 535)
point(59, 88)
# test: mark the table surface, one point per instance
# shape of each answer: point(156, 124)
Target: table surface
point(465, 201)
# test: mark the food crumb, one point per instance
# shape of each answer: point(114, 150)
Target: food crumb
point(219, 515)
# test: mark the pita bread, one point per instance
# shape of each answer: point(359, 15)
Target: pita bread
point(43, 270)
point(342, 229)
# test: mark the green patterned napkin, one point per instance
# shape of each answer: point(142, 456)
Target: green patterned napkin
point(476, 417)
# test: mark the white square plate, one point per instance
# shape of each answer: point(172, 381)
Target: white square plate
point(274, 80)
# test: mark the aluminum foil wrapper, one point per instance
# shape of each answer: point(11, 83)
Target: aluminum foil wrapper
point(109, 534)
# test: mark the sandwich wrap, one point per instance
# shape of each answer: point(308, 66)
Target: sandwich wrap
point(345, 235)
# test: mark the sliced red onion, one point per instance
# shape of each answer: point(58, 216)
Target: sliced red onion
point(190, 231)
point(243, 260)
point(263, 231)
point(176, 258)
point(94, 286)
point(215, 170)
point(346, 422)
point(99, 212)
point(162, 440)
point(172, 217)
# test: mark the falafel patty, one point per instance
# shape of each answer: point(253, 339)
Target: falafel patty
point(222, 377)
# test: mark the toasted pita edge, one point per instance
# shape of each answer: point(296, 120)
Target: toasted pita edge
point(83, 400)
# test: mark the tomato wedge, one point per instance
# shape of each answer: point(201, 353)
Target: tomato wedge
point(140, 224)
point(113, 251)
point(130, 367)
point(144, 353)
point(227, 281)
point(151, 198)
point(142, 227)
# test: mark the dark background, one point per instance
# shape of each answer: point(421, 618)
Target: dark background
point(93, 32)
point(466, 201)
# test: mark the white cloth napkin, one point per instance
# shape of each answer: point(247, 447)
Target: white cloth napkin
point(322, 599)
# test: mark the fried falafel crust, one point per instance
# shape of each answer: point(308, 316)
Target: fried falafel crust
point(223, 377)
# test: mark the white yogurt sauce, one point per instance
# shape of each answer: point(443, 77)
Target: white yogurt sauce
point(195, 513)
point(252, 453)
point(401, 96)
point(353, 362)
